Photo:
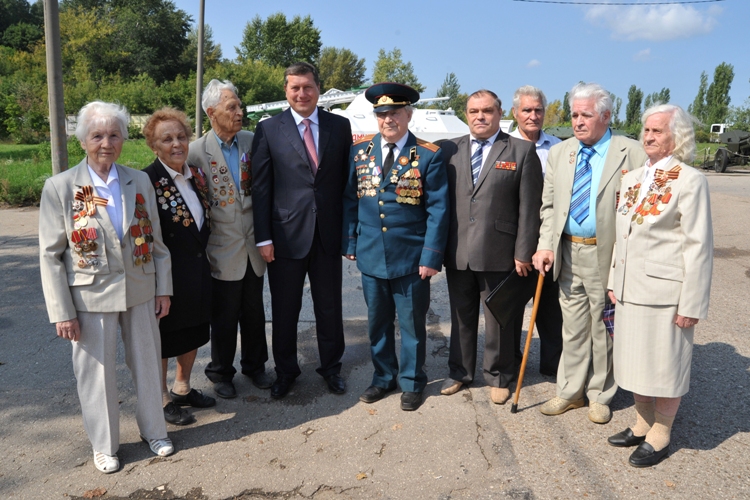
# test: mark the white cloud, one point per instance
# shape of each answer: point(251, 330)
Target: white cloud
point(654, 22)
point(643, 55)
point(533, 63)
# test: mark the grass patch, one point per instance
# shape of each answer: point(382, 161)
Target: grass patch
point(25, 167)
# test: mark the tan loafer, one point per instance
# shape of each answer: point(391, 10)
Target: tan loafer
point(499, 395)
point(558, 406)
point(450, 387)
point(599, 413)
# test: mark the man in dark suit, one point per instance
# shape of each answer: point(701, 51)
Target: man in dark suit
point(395, 225)
point(299, 167)
point(495, 185)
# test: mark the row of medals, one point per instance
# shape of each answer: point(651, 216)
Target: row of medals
point(83, 237)
point(142, 235)
point(654, 204)
point(222, 191)
point(171, 200)
point(404, 186)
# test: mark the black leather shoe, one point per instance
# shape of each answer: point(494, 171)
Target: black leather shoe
point(645, 456)
point(261, 380)
point(625, 438)
point(194, 398)
point(177, 416)
point(225, 389)
point(374, 393)
point(281, 386)
point(336, 383)
point(410, 401)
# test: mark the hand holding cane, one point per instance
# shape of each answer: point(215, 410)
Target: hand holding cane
point(537, 295)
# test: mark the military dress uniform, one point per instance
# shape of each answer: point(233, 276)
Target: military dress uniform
point(394, 222)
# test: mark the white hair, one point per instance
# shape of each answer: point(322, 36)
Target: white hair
point(530, 91)
point(212, 93)
point(100, 112)
point(602, 98)
point(681, 127)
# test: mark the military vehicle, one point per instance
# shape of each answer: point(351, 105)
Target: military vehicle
point(736, 151)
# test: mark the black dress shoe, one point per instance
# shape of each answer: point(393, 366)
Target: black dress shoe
point(225, 389)
point(336, 383)
point(625, 438)
point(281, 386)
point(177, 416)
point(410, 401)
point(194, 398)
point(374, 393)
point(645, 456)
point(261, 380)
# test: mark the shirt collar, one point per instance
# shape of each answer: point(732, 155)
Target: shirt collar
point(399, 143)
point(111, 177)
point(222, 144)
point(601, 145)
point(298, 118)
point(659, 164)
point(173, 174)
point(490, 141)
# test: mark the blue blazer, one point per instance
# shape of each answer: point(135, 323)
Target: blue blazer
point(391, 233)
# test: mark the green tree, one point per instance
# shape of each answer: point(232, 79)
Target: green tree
point(661, 97)
point(717, 96)
point(21, 23)
point(633, 109)
point(553, 114)
point(390, 67)
point(616, 106)
point(739, 116)
point(456, 99)
point(340, 69)
point(698, 108)
point(211, 51)
point(278, 42)
point(566, 108)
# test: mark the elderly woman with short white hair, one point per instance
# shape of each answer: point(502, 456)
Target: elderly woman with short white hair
point(104, 265)
point(660, 279)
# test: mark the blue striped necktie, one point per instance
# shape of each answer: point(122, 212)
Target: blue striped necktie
point(476, 160)
point(579, 205)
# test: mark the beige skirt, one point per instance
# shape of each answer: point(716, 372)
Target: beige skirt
point(651, 354)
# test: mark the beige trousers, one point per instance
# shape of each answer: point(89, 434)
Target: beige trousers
point(586, 362)
point(95, 367)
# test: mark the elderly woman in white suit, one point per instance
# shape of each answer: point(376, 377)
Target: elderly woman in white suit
point(660, 279)
point(103, 264)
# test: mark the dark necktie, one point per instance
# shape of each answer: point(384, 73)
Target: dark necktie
point(579, 205)
point(388, 163)
point(310, 145)
point(476, 160)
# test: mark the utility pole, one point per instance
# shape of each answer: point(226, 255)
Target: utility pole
point(199, 75)
point(58, 137)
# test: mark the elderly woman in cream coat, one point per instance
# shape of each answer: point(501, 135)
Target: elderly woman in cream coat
point(660, 279)
point(103, 264)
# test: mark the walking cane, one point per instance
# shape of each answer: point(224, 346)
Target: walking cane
point(537, 295)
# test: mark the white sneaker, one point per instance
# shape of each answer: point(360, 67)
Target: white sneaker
point(161, 447)
point(106, 463)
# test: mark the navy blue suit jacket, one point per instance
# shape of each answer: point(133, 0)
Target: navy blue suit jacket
point(288, 199)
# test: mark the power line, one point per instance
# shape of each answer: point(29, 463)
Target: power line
point(630, 4)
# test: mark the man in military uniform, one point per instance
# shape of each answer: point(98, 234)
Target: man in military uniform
point(396, 226)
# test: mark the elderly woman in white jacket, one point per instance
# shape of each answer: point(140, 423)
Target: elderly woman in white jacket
point(103, 264)
point(660, 279)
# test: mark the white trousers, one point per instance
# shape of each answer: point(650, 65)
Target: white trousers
point(95, 367)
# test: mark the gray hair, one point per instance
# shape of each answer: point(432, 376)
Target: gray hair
point(602, 98)
point(530, 91)
point(681, 127)
point(485, 92)
point(100, 112)
point(212, 93)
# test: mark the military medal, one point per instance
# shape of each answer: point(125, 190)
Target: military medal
point(141, 232)
point(84, 206)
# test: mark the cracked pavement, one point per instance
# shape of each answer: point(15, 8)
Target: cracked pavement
point(317, 445)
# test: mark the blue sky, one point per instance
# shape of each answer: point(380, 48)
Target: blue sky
point(503, 44)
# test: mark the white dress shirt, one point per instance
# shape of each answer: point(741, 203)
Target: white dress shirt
point(542, 146)
point(110, 190)
point(486, 150)
point(314, 126)
point(182, 181)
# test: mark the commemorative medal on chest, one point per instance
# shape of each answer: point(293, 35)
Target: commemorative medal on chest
point(142, 233)
point(83, 237)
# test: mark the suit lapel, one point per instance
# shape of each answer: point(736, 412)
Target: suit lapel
point(568, 172)
point(162, 172)
point(127, 193)
point(83, 178)
point(324, 135)
point(463, 162)
point(495, 151)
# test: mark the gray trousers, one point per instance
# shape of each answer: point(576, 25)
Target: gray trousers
point(95, 367)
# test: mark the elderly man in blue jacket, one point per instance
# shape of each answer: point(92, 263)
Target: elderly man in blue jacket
point(396, 226)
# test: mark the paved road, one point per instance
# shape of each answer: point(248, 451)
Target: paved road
point(317, 445)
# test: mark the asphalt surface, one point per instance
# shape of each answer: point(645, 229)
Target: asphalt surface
point(317, 445)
